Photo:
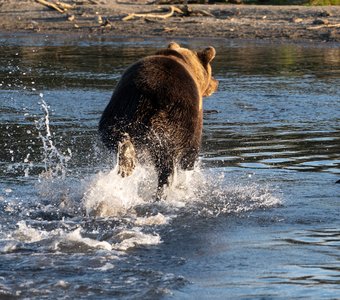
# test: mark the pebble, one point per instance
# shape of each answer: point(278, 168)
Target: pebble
point(296, 20)
point(320, 22)
point(325, 14)
point(71, 18)
point(99, 19)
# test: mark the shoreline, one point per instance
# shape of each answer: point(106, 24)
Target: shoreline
point(74, 38)
point(296, 24)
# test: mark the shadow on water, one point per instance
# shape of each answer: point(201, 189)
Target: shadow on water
point(258, 219)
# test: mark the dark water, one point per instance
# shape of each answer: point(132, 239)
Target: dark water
point(258, 219)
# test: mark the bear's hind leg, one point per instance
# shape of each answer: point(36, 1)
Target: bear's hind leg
point(188, 161)
point(126, 156)
point(165, 170)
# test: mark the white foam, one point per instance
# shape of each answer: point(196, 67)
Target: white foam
point(185, 187)
point(26, 234)
point(54, 239)
point(62, 284)
point(130, 200)
point(133, 238)
point(8, 246)
point(106, 267)
point(111, 195)
point(220, 198)
point(75, 237)
point(158, 219)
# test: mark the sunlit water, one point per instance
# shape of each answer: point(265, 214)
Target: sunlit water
point(257, 219)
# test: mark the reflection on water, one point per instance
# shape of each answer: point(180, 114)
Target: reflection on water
point(310, 271)
point(258, 220)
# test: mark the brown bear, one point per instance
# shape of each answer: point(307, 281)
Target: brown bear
point(157, 107)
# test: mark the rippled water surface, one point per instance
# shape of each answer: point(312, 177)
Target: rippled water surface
point(257, 219)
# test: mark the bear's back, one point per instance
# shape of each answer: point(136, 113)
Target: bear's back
point(153, 84)
point(160, 74)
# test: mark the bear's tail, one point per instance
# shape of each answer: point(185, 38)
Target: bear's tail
point(126, 156)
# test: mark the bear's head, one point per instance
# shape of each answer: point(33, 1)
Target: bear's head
point(198, 64)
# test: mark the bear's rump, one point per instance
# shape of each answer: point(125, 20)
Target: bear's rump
point(156, 99)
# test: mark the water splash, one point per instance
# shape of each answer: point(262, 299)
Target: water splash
point(200, 192)
point(109, 194)
point(90, 204)
point(110, 213)
point(54, 161)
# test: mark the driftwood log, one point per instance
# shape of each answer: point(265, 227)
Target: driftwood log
point(325, 26)
point(65, 6)
point(173, 9)
point(185, 11)
point(51, 5)
point(58, 6)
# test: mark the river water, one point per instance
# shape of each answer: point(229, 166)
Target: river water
point(257, 219)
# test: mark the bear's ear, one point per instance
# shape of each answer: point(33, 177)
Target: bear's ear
point(173, 46)
point(207, 55)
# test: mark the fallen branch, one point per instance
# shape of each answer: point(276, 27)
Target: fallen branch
point(173, 9)
point(325, 25)
point(203, 13)
point(51, 5)
point(64, 6)
point(85, 2)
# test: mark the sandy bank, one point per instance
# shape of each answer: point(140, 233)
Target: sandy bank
point(295, 23)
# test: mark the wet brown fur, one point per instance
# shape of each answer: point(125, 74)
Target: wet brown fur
point(157, 105)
